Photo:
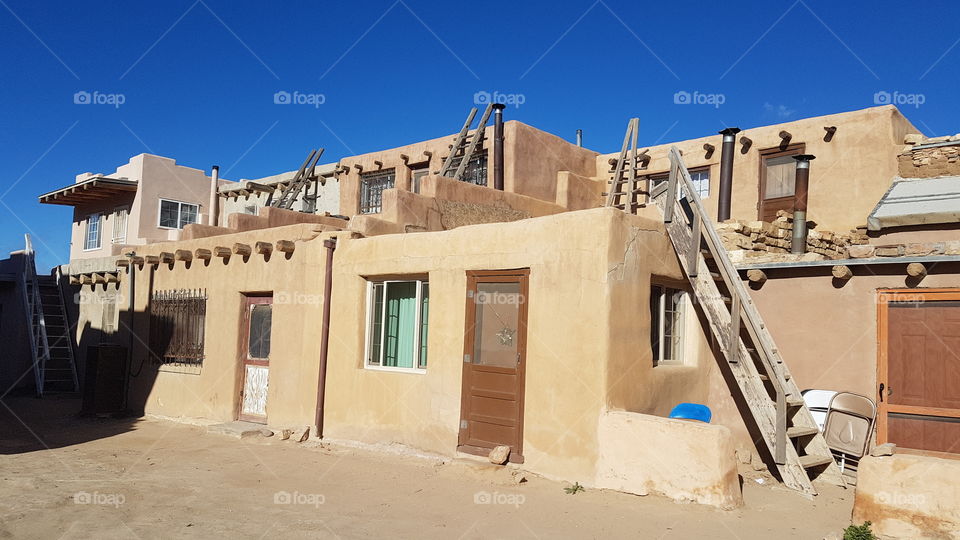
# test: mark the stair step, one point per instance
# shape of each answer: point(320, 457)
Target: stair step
point(795, 401)
point(812, 461)
point(801, 431)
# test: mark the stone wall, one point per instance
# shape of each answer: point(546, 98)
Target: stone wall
point(922, 161)
point(758, 241)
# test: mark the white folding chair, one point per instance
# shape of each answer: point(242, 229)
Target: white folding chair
point(818, 402)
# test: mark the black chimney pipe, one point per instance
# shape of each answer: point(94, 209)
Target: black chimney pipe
point(726, 172)
point(798, 242)
point(498, 146)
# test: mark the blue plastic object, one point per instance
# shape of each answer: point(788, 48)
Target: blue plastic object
point(692, 411)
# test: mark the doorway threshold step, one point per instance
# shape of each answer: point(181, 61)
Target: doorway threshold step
point(240, 429)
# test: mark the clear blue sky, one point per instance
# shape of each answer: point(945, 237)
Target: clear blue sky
point(198, 78)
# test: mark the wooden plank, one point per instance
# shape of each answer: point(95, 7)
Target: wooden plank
point(695, 244)
point(618, 172)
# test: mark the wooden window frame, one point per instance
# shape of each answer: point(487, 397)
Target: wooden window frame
point(795, 149)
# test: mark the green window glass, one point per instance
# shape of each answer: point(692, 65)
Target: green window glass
point(397, 324)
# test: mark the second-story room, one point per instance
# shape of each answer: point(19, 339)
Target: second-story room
point(148, 199)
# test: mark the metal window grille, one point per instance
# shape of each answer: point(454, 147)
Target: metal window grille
point(371, 190)
point(177, 319)
point(476, 170)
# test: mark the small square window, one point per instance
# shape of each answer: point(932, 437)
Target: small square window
point(177, 215)
point(372, 186)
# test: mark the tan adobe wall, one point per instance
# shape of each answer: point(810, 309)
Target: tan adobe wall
point(849, 175)
point(532, 159)
point(909, 496)
point(826, 333)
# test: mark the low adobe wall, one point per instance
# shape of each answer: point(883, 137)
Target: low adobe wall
point(683, 460)
point(909, 496)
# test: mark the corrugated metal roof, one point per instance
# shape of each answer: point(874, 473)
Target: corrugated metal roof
point(917, 201)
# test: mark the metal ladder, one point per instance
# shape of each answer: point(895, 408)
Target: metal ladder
point(48, 328)
point(465, 145)
point(298, 183)
point(772, 396)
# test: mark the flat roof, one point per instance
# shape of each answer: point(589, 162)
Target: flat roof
point(96, 188)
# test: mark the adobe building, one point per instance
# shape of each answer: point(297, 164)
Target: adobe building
point(515, 305)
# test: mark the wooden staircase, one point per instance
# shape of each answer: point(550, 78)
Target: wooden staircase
point(773, 398)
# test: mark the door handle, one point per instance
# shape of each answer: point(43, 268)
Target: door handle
point(881, 392)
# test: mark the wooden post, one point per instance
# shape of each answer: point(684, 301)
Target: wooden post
point(166, 257)
point(264, 248)
point(842, 271)
point(203, 254)
point(757, 276)
point(183, 255)
point(285, 246)
point(242, 249)
point(917, 270)
point(222, 252)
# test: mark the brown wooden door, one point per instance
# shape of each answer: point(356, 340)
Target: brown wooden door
point(494, 356)
point(920, 369)
point(255, 332)
point(777, 178)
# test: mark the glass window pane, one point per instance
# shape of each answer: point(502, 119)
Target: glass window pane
point(93, 232)
point(496, 329)
point(424, 318)
point(188, 214)
point(376, 325)
point(781, 176)
point(260, 323)
point(168, 214)
point(655, 297)
point(401, 298)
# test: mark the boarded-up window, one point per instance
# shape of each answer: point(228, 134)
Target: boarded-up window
point(781, 174)
point(177, 322)
point(120, 225)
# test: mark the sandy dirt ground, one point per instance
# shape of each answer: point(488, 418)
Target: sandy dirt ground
point(69, 477)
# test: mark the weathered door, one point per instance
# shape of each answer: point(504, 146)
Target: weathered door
point(255, 357)
point(493, 362)
point(919, 375)
point(778, 172)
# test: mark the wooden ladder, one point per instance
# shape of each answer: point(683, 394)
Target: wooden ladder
point(772, 396)
point(298, 183)
point(465, 144)
point(627, 186)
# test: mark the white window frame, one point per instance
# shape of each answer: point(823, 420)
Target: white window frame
point(180, 206)
point(368, 324)
point(699, 183)
point(116, 221)
point(680, 309)
point(86, 232)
